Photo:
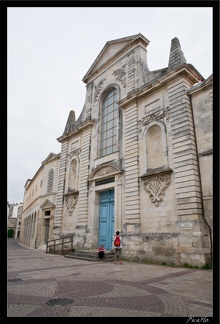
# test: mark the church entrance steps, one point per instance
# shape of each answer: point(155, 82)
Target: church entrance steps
point(89, 255)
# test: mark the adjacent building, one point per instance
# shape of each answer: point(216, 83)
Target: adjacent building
point(14, 212)
point(135, 161)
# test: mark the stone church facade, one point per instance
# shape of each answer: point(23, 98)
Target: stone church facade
point(138, 160)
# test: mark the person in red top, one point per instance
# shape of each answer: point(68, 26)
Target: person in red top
point(118, 249)
point(101, 252)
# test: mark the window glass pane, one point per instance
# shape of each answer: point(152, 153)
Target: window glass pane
point(108, 96)
point(103, 128)
point(104, 111)
point(109, 150)
point(115, 106)
point(109, 133)
point(103, 136)
point(110, 124)
point(103, 152)
point(110, 101)
point(109, 141)
point(102, 144)
point(110, 108)
point(104, 119)
point(110, 116)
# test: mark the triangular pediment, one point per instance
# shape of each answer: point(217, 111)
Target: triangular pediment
point(209, 80)
point(51, 157)
point(111, 50)
point(104, 171)
point(27, 183)
point(47, 204)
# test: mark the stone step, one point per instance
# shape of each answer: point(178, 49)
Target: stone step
point(89, 255)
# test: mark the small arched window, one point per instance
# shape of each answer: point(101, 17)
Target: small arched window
point(109, 113)
point(50, 181)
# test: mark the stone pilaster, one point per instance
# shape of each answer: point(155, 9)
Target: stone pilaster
point(185, 160)
point(132, 190)
point(89, 98)
point(131, 73)
point(84, 175)
point(58, 217)
point(192, 226)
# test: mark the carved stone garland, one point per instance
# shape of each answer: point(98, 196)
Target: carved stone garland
point(74, 152)
point(155, 185)
point(105, 171)
point(120, 75)
point(71, 200)
point(98, 89)
point(164, 113)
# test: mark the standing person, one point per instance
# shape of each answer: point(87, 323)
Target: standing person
point(101, 252)
point(118, 247)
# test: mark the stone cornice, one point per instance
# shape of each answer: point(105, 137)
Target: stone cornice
point(51, 157)
point(78, 129)
point(208, 83)
point(184, 70)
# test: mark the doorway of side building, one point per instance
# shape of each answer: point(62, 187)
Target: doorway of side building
point(106, 218)
point(47, 228)
point(10, 233)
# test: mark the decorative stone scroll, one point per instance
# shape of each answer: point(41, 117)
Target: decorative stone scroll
point(71, 200)
point(155, 116)
point(155, 185)
point(98, 89)
point(120, 75)
point(73, 153)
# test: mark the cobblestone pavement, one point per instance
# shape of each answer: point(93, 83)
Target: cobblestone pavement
point(46, 285)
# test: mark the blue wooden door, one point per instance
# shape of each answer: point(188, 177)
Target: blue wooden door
point(106, 218)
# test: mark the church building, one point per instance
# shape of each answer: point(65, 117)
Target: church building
point(137, 160)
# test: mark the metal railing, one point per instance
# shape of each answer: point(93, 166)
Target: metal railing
point(63, 241)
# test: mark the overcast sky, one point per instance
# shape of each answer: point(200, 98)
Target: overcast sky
point(51, 49)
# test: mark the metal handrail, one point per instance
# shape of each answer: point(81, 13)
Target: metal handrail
point(54, 244)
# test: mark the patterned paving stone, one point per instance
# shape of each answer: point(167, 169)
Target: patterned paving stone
point(43, 285)
point(121, 297)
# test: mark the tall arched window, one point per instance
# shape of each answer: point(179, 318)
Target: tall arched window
point(109, 115)
point(50, 181)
